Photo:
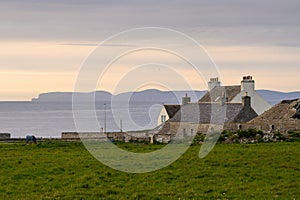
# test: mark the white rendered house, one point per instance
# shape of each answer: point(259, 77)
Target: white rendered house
point(248, 87)
point(234, 94)
point(168, 111)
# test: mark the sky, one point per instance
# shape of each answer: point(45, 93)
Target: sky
point(44, 44)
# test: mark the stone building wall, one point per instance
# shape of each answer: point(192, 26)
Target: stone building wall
point(282, 126)
point(188, 129)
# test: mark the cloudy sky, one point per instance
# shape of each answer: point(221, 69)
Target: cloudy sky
point(44, 43)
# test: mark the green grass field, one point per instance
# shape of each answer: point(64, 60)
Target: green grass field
point(66, 170)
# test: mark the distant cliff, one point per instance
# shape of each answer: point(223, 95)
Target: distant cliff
point(152, 95)
point(67, 96)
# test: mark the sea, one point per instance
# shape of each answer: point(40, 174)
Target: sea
point(50, 119)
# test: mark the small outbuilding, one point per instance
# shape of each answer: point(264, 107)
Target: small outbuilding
point(5, 136)
point(283, 117)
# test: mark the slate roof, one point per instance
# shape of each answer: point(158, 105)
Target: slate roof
point(297, 107)
point(245, 115)
point(172, 109)
point(218, 92)
point(285, 110)
point(213, 113)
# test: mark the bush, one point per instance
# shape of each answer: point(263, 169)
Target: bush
point(293, 140)
point(227, 133)
point(294, 134)
point(247, 133)
point(260, 140)
point(279, 136)
point(199, 138)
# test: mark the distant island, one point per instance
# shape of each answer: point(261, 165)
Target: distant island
point(156, 96)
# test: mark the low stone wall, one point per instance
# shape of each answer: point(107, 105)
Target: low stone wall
point(5, 136)
point(146, 139)
point(79, 136)
point(137, 134)
point(115, 136)
point(163, 138)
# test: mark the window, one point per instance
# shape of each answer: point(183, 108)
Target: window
point(272, 127)
point(192, 131)
point(184, 131)
point(240, 127)
point(163, 118)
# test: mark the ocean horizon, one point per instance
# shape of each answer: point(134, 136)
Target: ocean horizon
point(50, 119)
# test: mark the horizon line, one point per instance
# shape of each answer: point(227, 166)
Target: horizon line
point(51, 92)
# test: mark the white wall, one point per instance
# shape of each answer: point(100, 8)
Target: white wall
point(162, 112)
point(257, 102)
point(213, 84)
point(248, 85)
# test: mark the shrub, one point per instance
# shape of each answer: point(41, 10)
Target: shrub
point(199, 138)
point(293, 140)
point(294, 134)
point(227, 133)
point(247, 133)
point(279, 136)
point(260, 140)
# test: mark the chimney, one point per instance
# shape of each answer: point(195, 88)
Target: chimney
point(247, 84)
point(186, 99)
point(246, 100)
point(214, 82)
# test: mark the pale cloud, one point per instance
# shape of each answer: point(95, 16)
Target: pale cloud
point(27, 69)
point(96, 20)
point(41, 56)
point(20, 85)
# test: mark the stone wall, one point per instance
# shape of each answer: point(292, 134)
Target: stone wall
point(84, 136)
point(188, 129)
point(182, 130)
point(146, 139)
point(163, 138)
point(282, 126)
point(116, 136)
point(100, 136)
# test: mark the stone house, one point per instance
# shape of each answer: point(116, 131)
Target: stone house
point(221, 94)
point(204, 117)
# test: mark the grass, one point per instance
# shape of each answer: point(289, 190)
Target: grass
point(65, 170)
